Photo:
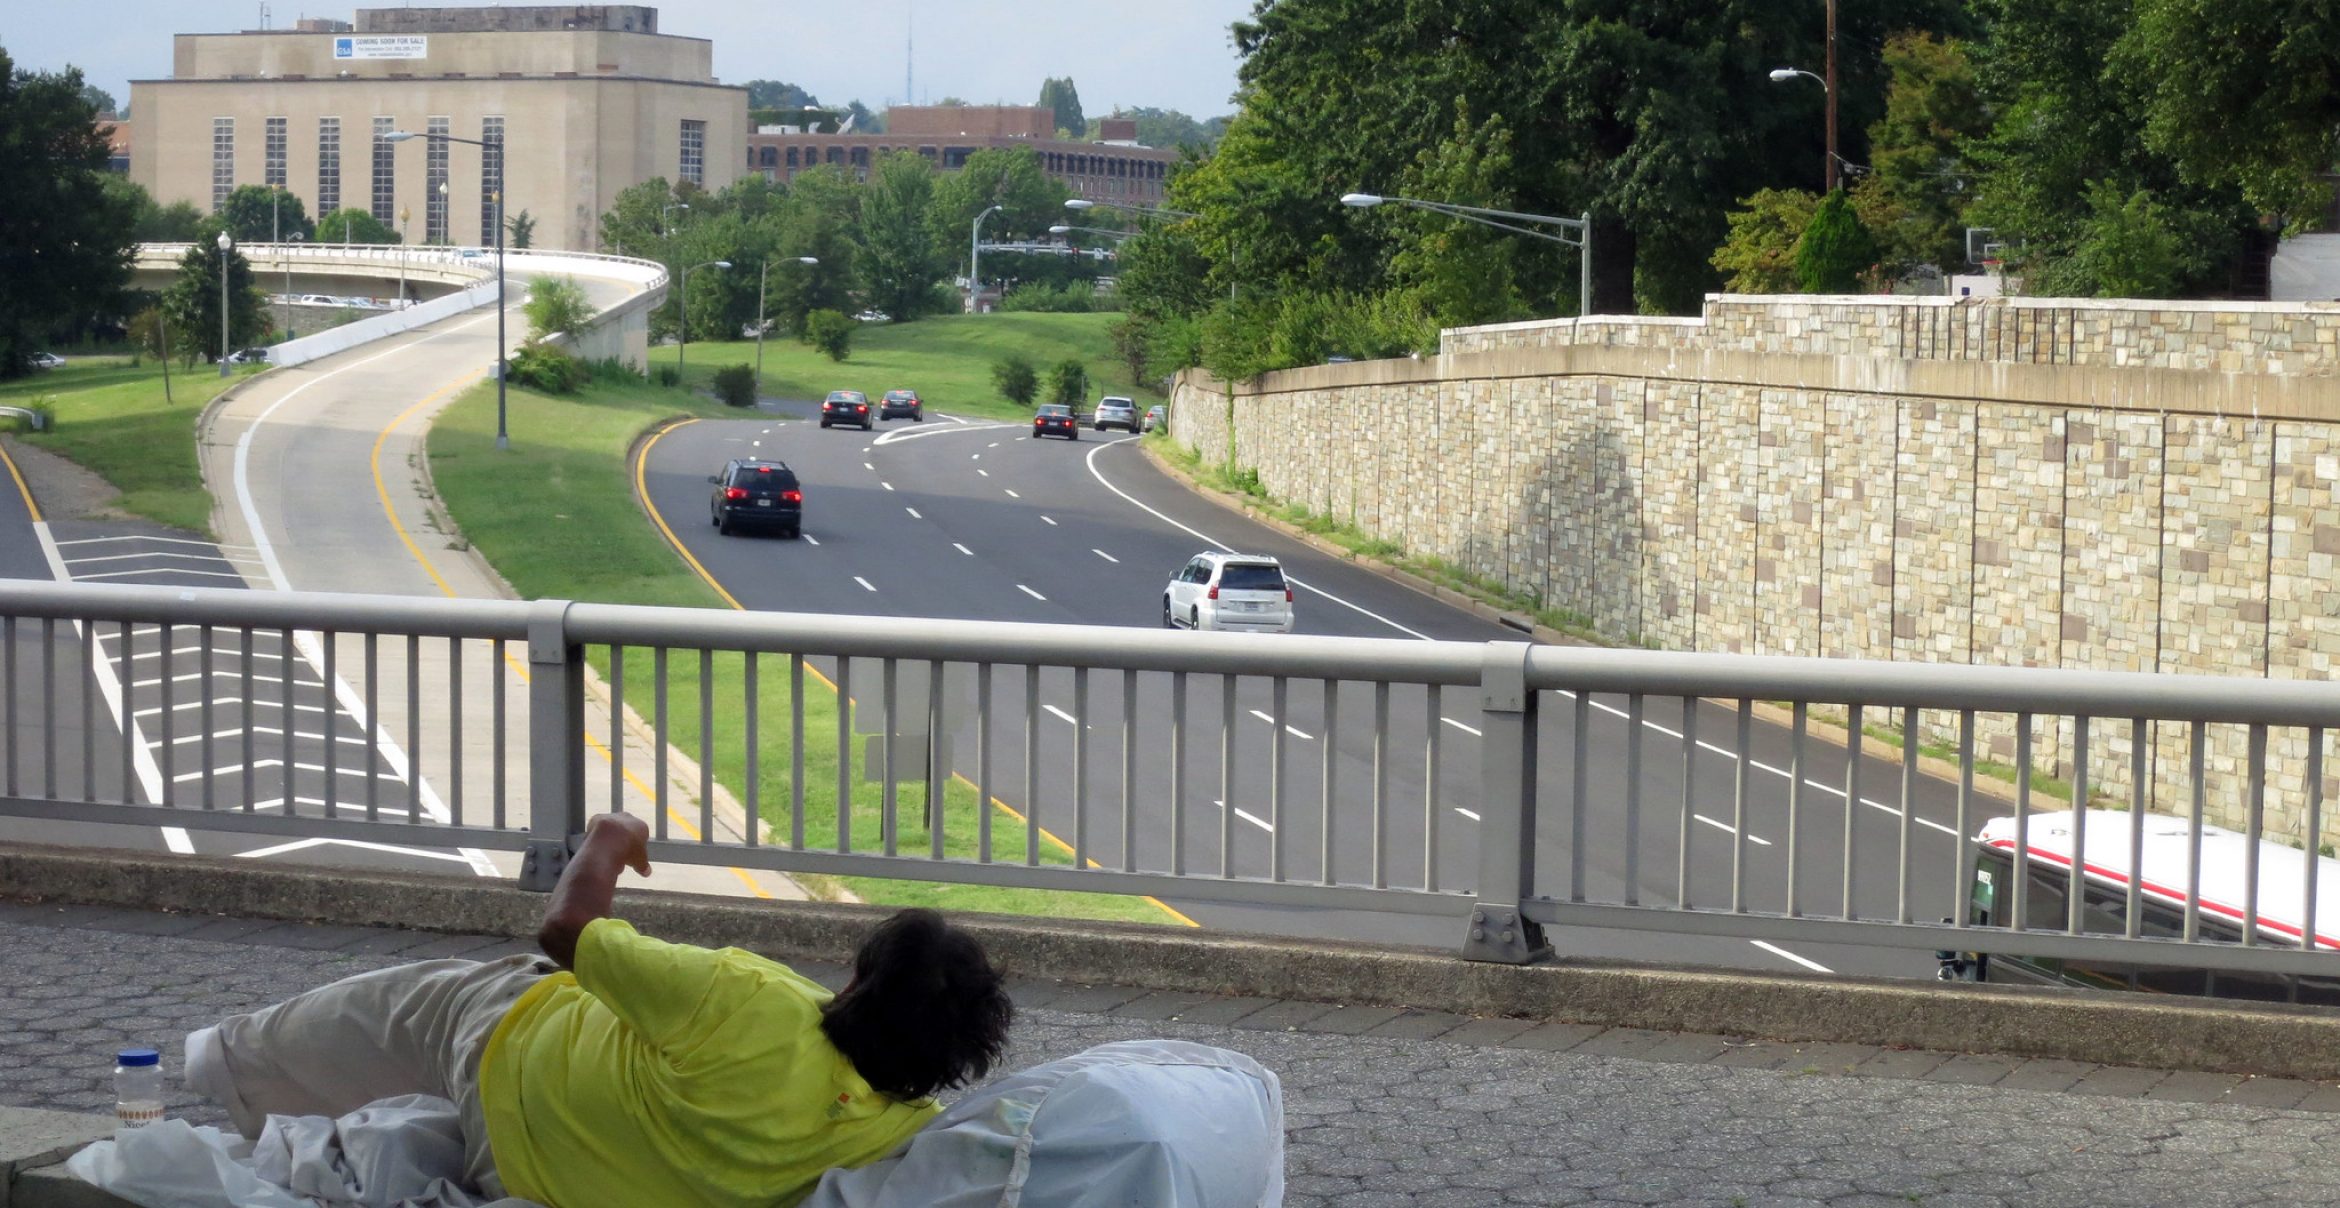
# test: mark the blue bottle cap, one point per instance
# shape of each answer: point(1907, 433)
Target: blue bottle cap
point(138, 1057)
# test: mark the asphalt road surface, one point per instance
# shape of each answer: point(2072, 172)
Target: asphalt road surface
point(976, 520)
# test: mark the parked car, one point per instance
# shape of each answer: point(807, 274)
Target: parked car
point(47, 360)
point(874, 316)
point(1056, 419)
point(1114, 411)
point(1157, 418)
point(249, 356)
point(847, 407)
point(1244, 592)
point(753, 492)
point(902, 403)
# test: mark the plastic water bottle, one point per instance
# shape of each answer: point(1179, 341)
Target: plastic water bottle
point(137, 1089)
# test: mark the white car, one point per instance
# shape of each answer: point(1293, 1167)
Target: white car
point(47, 360)
point(1245, 592)
point(1116, 412)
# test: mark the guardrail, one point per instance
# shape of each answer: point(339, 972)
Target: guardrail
point(1308, 773)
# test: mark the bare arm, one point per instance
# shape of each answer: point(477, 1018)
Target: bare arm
point(613, 843)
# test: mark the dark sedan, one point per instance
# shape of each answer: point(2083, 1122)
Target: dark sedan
point(1056, 420)
point(847, 407)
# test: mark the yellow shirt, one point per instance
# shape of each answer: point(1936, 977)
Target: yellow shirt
point(662, 1074)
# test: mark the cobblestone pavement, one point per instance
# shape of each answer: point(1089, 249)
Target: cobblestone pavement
point(1382, 1107)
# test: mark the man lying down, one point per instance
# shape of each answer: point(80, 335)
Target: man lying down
point(621, 1070)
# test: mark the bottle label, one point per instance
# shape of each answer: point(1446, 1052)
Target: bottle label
point(135, 1115)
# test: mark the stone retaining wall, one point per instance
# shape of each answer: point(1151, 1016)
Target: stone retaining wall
point(2105, 513)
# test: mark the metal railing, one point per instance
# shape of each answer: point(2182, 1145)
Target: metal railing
point(1503, 787)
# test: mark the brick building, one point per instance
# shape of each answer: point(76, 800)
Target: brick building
point(1113, 169)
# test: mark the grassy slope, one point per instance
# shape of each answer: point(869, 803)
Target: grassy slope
point(947, 359)
point(112, 420)
point(575, 532)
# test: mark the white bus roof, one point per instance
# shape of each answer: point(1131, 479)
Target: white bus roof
point(2283, 869)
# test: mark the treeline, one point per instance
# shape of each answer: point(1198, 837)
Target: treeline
point(2111, 147)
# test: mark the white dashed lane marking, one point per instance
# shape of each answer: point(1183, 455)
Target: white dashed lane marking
point(962, 549)
point(1029, 592)
point(1108, 557)
point(865, 584)
point(914, 513)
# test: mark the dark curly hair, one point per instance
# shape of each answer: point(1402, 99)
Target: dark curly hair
point(925, 1010)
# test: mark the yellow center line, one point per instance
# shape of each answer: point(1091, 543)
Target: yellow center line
point(22, 489)
point(642, 493)
point(391, 513)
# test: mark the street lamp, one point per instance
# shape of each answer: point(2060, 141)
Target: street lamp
point(1082, 203)
point(975, 261)
point(226, 245)
point(669, 208)
point(1582, 225)
point(682, 313)
point(1785, 75)
point(503, 365)
point(761, 274)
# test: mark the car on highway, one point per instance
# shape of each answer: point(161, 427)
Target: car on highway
point(47, 360)
point(1056, 419)
point(1246, 592)
point(250, 356)
point(752, 492)
point(847, 407)
point(902, 404)
point(1113, 411)
point(1157, 418)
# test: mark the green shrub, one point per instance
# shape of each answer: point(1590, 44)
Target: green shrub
point(541, 367)
point(666, 375)
point(1836, 249)
point(1068, 383)
point(1018, 382)
point(1071, 298)
point(736, 385)
point(610, 371)
point(556, 305)
point(831, 331)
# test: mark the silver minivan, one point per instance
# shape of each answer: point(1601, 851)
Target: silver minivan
point(1243, 592)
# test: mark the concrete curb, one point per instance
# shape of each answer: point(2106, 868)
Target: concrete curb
point(2114, 1029)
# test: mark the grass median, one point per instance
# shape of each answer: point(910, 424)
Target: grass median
point(109, 416)
point(946, 359)
point(558, 518)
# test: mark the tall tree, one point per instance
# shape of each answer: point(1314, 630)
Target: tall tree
point(65, 243)
point(260, 214)
point(1061, 98)
point(1010, 177)
point(900, 263)
point(352, 225)
point(98, 99)
point(2246, 95)
point(1170, 128)
point(778, 94)
point(192, 302)
point(1934, 112)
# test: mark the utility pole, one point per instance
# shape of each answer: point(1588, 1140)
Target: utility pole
point(1831, 82)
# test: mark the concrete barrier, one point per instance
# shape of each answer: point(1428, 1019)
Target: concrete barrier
point(366, 331)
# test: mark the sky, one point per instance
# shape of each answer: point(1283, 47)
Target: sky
point(1170, 55)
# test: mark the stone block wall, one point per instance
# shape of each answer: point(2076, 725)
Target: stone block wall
point(1778, 500)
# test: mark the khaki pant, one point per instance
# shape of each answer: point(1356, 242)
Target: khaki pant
point(414, 1029)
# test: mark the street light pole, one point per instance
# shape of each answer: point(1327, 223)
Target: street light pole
point(761, 275)
point(975, 261)
point(1508, 220)
point(286, 252)
point(503, 359)
point(404, 213)
point(1782, 75)
point(226, 245)
point(682, 314)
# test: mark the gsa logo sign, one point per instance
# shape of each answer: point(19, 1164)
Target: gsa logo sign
point(344, 48)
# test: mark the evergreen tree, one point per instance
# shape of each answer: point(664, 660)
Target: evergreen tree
point(1836, 249)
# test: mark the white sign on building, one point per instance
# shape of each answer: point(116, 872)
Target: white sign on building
point(382, 46)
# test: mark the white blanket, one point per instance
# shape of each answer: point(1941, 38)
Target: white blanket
point(396, 1153)
point(1159, 1123)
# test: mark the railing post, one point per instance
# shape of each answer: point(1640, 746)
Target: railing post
point(556, 745)
point(1507, 812)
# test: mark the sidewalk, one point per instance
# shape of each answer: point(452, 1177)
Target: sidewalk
point(1382, 1106)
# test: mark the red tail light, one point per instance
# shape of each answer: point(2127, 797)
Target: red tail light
point(1287, 595)
point(735, 492)
point(861, 406)
point(792, 497)
point(1214, 592)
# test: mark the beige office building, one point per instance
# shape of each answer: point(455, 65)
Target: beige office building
point(587, 100)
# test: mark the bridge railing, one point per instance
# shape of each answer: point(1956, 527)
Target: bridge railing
point(1502, 787)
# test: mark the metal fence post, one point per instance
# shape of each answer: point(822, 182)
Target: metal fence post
point(556, 745)
point(1507, 827)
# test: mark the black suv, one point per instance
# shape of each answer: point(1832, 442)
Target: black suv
point(897, 403)
point(847, 407)
point(752, 492)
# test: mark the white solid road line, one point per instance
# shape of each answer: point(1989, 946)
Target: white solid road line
point(1108, 557)
point(1029, 592)
point(1776, 950)
point(962, 549)
point(914, 513)
point(1247, 816)
point(865, 584)
point(1222, 546)
point(1473, 731)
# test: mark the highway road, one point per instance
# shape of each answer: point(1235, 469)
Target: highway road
point(974, 519)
